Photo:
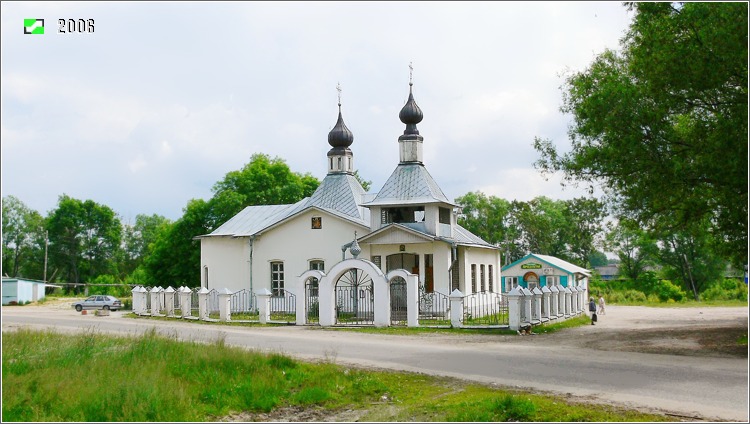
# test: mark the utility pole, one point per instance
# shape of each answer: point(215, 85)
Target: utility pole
point(46, 243)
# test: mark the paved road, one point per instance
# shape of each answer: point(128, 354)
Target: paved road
point(711, 389)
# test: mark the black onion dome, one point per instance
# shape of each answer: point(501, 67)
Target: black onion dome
point(340, 136)
point(411, 114)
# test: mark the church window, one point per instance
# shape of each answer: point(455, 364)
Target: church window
point(205, 276)
point(473, 278)
point(481, 278)
point(444, 215)
point(491, 278)
point(277, 278)
point(317, 222)
point(552, 281)
point(376, 260)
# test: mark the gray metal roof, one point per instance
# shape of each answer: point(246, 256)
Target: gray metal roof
point(342, 193)
point(253, 219)
point(410, 183)
point(338, 194)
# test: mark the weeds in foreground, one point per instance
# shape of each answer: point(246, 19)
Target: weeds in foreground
point(150, 377)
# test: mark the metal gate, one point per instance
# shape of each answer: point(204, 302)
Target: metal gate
point(354, 299)
point(434, 309)
point(312, 301)
point(398, 301)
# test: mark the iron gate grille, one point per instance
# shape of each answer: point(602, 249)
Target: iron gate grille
point(243, 305)
point(284, 307)
point(434, 308)
point(485, 308)
point(354, 299)
point(312, 301)
point(398, 301)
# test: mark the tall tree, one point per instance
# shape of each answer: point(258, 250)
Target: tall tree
point(84, 239)
point(584, 218)
point(23, 230)
point(175, 258)
point(138, 240)
point(490, 218)
point(690, 257)
point(662, 126)
point(542, 226)
point(635, 248)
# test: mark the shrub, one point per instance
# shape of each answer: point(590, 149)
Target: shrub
point(666, 290)
point(727, 289)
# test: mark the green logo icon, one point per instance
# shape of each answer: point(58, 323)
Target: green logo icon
point(33, 26)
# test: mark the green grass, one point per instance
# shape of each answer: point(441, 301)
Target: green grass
point(93, 377)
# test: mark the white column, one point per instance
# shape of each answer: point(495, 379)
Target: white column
point(169, 301)
point(457, 308)
point(382, 302)
point(186, 299)
point(567, 295)
point(545, 301)
point(264, 305)
point(537, 294)
point(412, 301)
point(136, 299)
point(203, 304)
point(155, 300)
point(526, 304)
point(225, 305)
point(554, 294)
point(514, 308)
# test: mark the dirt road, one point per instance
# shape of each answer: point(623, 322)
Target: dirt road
point(683, 361)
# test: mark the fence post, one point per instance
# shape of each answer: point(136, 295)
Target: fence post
point(457, 308)
point(526, 305)
point(155, 300)
point(203, 304)
point(575, 299)
point(566, 295)
point(412, 301)
point(225, 302)
point(185, 301)
point(136, 299)
point(554, 293)
point(514, 308)
point(169, 301)
point(545, 301)
point(264, 305)
point(537, 305)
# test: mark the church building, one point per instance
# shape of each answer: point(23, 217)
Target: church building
point(409, 224)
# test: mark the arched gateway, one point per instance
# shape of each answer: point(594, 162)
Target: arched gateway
point(354, 291)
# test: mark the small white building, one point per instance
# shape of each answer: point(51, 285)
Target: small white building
point(22, 290)
point(409, 224)
point(534, 270)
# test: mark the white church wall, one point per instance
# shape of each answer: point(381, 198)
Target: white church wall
point(295, 243)
point(226, 259)
point(480, 257)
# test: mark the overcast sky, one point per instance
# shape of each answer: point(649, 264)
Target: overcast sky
point(164, 98)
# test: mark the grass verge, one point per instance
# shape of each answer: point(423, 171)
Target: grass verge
point(155, 378)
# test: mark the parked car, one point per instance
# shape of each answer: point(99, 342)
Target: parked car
point(99, 302)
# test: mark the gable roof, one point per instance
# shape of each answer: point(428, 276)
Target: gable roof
point(555, 262)
point(338, 194)
point(462, 236)
point(410, 183)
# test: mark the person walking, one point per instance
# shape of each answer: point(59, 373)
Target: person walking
point(592, 309)
point(601, 304)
